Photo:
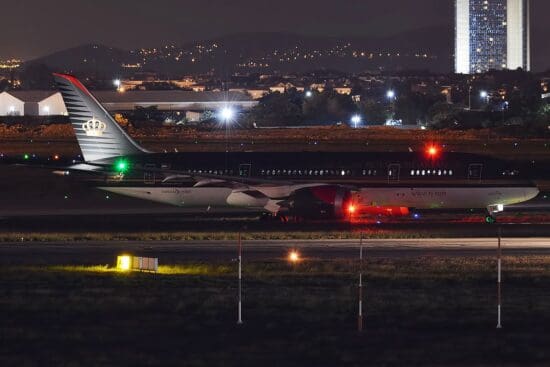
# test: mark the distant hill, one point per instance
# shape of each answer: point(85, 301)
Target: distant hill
point(86, 58)
point(429, 48)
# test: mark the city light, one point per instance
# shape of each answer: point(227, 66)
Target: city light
point(351, 209)
point(483, 94)
point(309, 94)
point(356, 120)
point(390, 94)
point(117, 83)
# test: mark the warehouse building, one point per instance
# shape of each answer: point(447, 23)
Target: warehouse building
point(10, 105)
point(41, 103)
point(49, 103)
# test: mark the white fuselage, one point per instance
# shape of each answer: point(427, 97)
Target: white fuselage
point(417, 197)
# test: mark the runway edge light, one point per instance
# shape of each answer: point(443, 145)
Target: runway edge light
point(124, 262)
point(294, 257)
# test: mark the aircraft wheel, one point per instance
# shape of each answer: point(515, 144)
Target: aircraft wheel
point(282, 218)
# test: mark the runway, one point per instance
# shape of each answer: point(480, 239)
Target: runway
point(174, 252)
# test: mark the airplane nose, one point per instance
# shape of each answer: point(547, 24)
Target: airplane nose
point(531, 193)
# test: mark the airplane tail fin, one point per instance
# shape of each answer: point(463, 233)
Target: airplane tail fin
point(98, 134)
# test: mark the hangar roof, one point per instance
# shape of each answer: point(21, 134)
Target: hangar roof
point(157, 96)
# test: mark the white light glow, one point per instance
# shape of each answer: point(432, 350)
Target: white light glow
point(227, 114)
point(356, 120)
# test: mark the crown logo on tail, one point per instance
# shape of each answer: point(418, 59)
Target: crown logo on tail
point(94, 127)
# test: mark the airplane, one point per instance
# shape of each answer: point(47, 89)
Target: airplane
point(304, 185)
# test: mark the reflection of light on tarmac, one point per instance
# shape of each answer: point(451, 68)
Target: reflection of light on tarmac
point(162, 269)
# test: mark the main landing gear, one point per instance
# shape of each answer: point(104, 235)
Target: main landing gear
point(274, 217)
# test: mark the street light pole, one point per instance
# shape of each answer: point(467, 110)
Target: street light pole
point(226, 115)
point(360, 315)
point(391, 96)
point(240, 259)
point(499, 277)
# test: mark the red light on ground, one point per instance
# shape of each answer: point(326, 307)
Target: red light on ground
point(432, 151)
point(351, 209)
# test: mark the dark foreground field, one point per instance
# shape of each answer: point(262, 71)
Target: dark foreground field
point(419, 311)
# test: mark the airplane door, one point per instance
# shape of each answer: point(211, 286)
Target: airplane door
point(475, 171)
point(244, 170)
point(394, 170)
point(148, 176)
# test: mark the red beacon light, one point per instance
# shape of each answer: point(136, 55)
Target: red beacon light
point(432, 151)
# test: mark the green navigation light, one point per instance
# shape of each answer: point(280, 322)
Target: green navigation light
point(26, 157)
point(121, 166)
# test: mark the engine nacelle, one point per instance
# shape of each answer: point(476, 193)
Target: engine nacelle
point(321, 202)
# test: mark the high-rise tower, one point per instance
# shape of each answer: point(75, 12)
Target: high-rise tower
point(491, 34)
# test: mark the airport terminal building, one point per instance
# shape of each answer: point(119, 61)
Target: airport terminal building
point(491, 35)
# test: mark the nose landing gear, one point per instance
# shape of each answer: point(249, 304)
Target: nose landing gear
point(492, 211)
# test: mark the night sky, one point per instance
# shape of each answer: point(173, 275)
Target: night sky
point(31, 28)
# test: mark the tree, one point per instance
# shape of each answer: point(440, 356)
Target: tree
point(150, 113)
point(413, 108)
point(328, 106)
point(4, 85)
point(442, 115)
point(373, 112)
point(276, 109)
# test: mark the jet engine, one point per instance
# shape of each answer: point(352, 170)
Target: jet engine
point(321, 202)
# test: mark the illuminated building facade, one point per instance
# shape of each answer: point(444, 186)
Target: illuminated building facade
point(491, 34)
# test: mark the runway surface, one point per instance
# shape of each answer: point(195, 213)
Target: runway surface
point(173, 252)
